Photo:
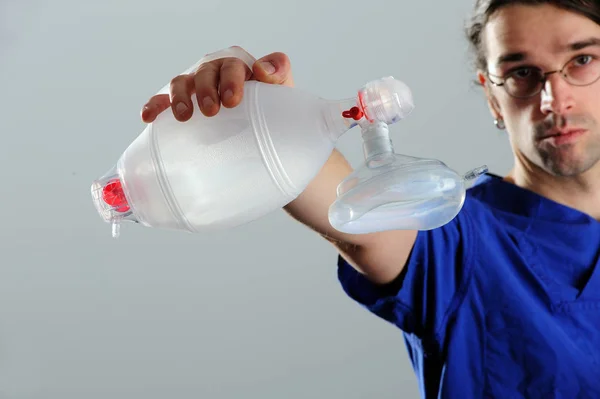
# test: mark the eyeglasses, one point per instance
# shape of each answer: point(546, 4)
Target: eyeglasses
point(527, 82)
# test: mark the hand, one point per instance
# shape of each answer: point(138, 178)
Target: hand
point(217, 82)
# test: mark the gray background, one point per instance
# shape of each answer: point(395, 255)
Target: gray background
point(256, 312)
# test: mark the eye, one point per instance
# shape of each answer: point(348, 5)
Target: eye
point(583, 60)
point(522, 73)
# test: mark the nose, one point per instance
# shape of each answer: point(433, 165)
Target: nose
point(557, 96)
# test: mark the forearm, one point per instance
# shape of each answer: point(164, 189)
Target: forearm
point(380, 256)
point(312, 206)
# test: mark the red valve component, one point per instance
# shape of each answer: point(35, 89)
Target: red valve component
point(114, 196)
point(354, 113)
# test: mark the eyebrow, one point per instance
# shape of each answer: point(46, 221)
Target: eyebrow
point(592, 41)
point(575, 46)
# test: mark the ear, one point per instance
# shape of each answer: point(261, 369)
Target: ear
point(493, 104)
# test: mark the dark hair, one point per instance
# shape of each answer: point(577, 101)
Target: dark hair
point(484, 9)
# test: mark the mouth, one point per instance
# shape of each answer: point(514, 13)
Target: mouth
point(562, 136)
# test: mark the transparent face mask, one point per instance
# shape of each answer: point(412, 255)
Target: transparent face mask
point(390, 191)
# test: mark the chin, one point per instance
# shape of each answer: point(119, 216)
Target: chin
point(570, 167)
point(567, 160)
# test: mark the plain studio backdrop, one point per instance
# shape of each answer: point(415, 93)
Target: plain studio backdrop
point(254, 312)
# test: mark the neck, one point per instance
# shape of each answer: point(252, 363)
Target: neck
point(581, 192)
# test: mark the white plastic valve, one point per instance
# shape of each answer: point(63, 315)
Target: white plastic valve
point(386, 100)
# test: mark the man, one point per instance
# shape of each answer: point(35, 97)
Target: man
point(503, 301)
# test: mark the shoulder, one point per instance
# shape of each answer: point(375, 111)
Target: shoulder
point(492, 205)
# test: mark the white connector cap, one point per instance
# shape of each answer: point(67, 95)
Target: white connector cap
point(386, 100)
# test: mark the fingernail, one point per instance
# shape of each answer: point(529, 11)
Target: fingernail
point(227, 95)
point(207, 102)
point(181, 108)
point(267, 67)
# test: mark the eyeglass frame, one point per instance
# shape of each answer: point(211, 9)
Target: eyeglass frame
point(543, 78)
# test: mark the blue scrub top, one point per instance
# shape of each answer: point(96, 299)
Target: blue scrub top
point(502, 302)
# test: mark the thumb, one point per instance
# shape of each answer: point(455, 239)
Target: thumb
point(274, 68)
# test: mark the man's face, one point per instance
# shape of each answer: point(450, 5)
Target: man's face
point(556, 129)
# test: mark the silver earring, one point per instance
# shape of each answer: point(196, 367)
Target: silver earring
point(499, 124)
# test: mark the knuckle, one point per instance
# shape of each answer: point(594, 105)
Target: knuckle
point(208, 67)
point(232, 65)
point(178, 81)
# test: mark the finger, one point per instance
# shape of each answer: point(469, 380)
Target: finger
point(180, 94)
point(155, 106)
point(233, 74)
point(206, 81)
point(274, 68)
